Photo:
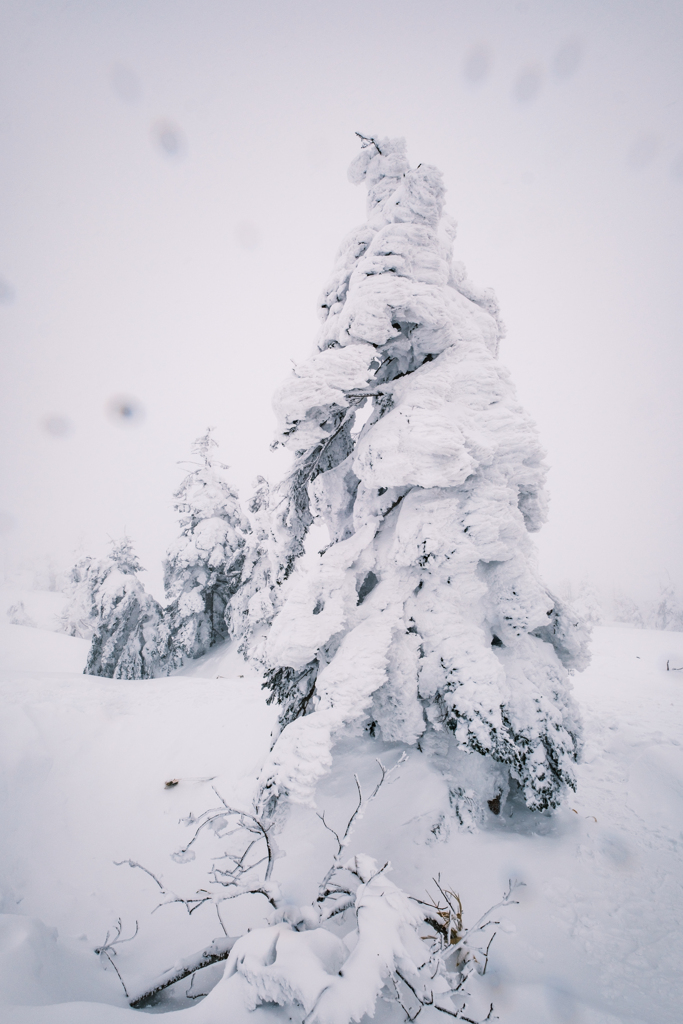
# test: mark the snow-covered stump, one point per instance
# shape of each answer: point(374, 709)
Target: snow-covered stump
point(424, 621)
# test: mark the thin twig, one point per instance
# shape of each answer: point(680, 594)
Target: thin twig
point(134, 864)
point(105, 953)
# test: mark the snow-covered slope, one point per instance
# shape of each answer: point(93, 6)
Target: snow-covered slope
point(596, 938)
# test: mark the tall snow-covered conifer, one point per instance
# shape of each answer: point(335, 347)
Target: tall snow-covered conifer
point(424, 620)
point(128, 641)
point(203, 568)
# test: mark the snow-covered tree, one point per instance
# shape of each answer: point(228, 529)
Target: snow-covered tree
point(128, 642)
point(253, 605)
point(587, 603)
point(626, 610)
point(424, 620)
point(203, 568)
point(79, 617)
point(667, 612)
point(18, 616)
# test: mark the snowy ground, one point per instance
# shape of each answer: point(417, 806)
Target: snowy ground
point(595, 939)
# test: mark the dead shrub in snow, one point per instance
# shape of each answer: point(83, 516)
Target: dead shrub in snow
point(302, 960)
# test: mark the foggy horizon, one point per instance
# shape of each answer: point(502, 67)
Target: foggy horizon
point(175, 190)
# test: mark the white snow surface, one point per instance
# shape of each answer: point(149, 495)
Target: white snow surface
point(595, 939)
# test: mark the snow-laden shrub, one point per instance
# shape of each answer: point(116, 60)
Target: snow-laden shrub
point(203, 567)
point(18, 616)
point(322, 978)
point(425, 615)
point(328, 962)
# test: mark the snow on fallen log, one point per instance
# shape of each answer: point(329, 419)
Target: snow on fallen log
point(216, 951)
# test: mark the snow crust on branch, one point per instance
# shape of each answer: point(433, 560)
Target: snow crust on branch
point(314, 968)
point(425, 617)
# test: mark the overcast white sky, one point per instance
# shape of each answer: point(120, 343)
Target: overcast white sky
point(173, 190)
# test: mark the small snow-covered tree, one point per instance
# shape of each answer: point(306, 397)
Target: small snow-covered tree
point(253, 605)
point(203, 568)
point(667, 612)
point(424, 620)
point(18, 616)
point(128, 641)
point(587, 603)
point(79, 617)
point(626, 610)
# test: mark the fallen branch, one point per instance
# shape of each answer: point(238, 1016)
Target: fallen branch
point(216, 951)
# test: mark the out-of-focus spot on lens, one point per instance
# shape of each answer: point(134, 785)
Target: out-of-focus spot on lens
point(568, 58)
point(125, 410)
point(125, 83)
point(7, 522)
point(642, 151)
point(57, 426)
point(247, 234)
point(677, 167)
point(528, 84)
point(6, 291)
point(168, 138)
point(477, 64)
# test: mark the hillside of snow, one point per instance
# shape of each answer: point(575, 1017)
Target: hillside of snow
point(595, 939)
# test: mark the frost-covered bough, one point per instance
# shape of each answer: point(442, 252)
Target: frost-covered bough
point(203, 568)
point(128, 640)
point(424, 620)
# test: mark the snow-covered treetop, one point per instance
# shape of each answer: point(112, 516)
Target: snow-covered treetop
point(123, 556)
point(204, 446)
point(205, 492)
point(394, 303)
point(397, 194)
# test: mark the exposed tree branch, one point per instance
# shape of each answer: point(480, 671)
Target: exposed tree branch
point(217, 950)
